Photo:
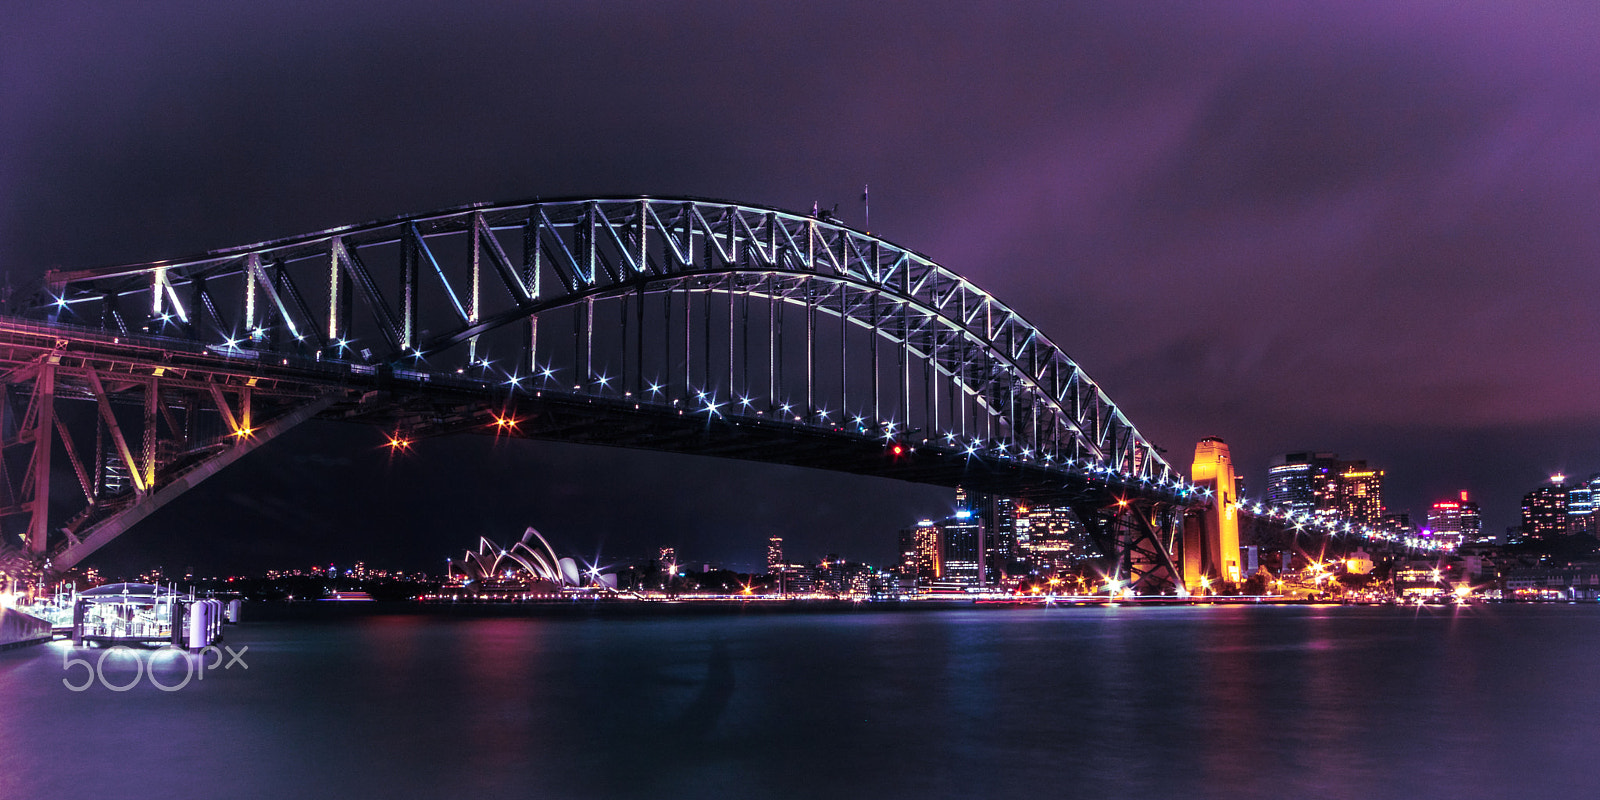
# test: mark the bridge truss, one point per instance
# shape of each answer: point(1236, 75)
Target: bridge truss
point(674, 324)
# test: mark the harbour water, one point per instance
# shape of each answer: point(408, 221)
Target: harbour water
point(1210, 702)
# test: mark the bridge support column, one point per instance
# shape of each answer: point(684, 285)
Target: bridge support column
point(44, 414)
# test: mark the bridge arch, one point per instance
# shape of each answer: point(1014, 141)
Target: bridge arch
point(989, 381)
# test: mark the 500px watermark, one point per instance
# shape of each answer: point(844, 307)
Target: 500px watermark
point(194, 666)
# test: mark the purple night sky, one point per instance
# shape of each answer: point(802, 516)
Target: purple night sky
point(1372, 229)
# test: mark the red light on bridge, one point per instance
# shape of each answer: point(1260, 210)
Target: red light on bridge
point(898, 449)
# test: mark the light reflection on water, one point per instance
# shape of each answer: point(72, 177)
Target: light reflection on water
point(1222, 702)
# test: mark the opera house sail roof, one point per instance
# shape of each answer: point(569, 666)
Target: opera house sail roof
point(528, 562)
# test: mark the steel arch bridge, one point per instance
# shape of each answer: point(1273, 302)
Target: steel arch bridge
point(676, 324)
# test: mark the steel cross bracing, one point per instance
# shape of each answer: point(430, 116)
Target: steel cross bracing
point(1140, 536)
point(642, 310)
point(139, 423)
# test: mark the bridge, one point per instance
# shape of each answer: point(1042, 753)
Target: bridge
point(681, 325)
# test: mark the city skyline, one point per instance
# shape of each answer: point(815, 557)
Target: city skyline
point(1346, 229)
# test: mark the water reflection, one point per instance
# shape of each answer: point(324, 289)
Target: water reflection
point(1223, 702)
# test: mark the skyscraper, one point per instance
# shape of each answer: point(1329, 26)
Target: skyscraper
point(921, 552)
point(1544, 510)
point(1000, 543)
point(1581, 501)
point(998, 518)
point(1472, 523)
point(962, 553)
point(1319, 483)
point(1359, 493)
point(774, 554)
point(1301, 481)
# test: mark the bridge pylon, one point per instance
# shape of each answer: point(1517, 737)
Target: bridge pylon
point(1211, 532)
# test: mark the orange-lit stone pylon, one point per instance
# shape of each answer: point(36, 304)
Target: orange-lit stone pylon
point(1211, 535)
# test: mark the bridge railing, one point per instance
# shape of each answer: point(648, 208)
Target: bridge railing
point(1334, 525)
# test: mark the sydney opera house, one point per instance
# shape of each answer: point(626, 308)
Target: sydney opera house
point(528, 570)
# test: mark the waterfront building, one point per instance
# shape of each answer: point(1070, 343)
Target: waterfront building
point(882, 583)
point(839, 576)
point(1425, 578)
point(1566, 583)
point(529, 568)
point(1359, 562)
point(1544, 510)
point(796, 579)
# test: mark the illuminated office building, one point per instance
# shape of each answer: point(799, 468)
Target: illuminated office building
point(998, 518)
point(1319, 483)
point(1456, 521)
point(962, 552)
point(1359, 493)
point(922, 552)
point(1581, 501)
point(1051, 540)
point(1301, 481)
point(1000, 543)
